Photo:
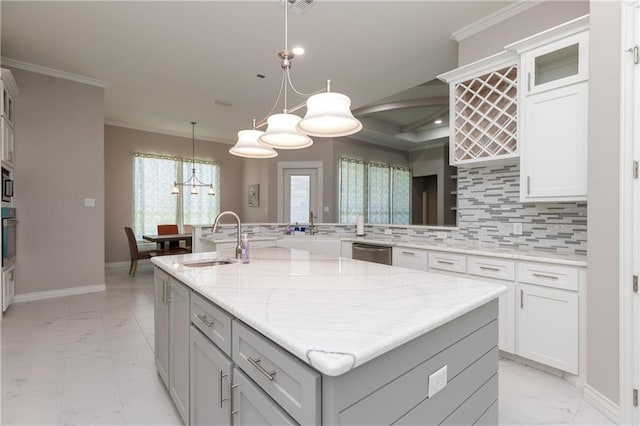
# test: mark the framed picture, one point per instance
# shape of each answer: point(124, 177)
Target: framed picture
point(254, 195)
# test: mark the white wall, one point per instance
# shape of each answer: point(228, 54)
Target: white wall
point(59, 134)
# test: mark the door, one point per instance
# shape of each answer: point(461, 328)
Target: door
point(300, 191)
point(251, 406)
point(299, 194)
point(548, 326)
point(179, 323)
point(210, 372)
point(161, 319)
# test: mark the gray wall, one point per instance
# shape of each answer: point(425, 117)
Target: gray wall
point(432, 162)
point(603, 274)
point(59, 134)
point(544, 16)
point(121, 142)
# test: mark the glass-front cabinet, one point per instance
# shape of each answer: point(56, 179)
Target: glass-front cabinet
point(557, 64)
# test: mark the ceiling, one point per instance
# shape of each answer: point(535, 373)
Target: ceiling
point(166, 63)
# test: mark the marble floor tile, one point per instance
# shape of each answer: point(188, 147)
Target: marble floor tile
point(88, 359)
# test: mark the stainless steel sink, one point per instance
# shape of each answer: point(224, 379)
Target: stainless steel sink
point(212, 262)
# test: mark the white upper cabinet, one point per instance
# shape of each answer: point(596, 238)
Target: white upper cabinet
point(8, 92)
point(553, 105)
point(483, 110)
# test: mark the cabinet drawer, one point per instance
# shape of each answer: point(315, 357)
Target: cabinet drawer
point(491, 268)
point(448, 262)
point(556, 276)
point(287, 380)
point(409, 258)
point(212, 321)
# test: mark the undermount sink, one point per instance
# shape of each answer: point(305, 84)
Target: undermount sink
point(211, 262)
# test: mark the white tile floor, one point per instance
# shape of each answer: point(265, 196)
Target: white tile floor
point(88, 359)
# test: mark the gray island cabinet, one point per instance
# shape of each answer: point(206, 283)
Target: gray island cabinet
point(299, 338)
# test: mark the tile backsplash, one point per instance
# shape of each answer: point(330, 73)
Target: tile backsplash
point(488, 206)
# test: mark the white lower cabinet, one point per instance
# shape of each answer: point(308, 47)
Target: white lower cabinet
point(548, 326)
point(8, 286)
point(161, 320)
point(409, 258)
point(179, 325)
point(251, 406)
point(210, 384)
point(346, 249)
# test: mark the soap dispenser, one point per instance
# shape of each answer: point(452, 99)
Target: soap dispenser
point(244, 244)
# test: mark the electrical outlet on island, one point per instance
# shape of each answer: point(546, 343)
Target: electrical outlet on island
point(388, 231)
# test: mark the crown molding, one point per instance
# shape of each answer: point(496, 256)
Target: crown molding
point(495, 18)
point(166, 132)
point(53, 72)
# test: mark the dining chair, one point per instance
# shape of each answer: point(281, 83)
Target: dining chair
point(136, 253)
point(174, 246)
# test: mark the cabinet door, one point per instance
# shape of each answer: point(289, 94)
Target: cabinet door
point(346, 249)
point(251, 406)
point(548, 326)
point(555, 145)
point(8, 287)
point(7, 143)
point(557, 64)
point(507, 318)
point(161, 320)
point(210, 372)
point(179, 322)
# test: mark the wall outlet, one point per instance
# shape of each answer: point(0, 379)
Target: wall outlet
point(517, 229)
point(325, 209)
point(256, 230)
point(89, 202)
point(437, 381)
point(388, 231)
point(441, 235)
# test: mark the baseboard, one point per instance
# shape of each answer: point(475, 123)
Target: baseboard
point(50, 294)
point(602, 404)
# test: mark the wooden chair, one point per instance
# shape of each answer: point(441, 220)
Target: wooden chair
point(174, 246)
point(136, 253)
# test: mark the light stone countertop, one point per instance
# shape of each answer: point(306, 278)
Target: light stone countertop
point(332, 313)
point(453, 247)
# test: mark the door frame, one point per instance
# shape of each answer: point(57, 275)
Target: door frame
point(629, 215)
point(318, 166)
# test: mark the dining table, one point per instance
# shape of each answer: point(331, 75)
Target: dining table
point(163, 241)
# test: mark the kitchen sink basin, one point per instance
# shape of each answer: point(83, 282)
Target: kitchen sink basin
point(211, 262)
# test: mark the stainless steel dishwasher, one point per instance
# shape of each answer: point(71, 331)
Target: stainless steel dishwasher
point(372, 253)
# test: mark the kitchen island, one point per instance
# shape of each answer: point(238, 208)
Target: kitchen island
point(300, 338)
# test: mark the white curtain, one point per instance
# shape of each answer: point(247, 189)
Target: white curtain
point(352, 190)
point(380, 192)
point(379, 208)
point(153, 203)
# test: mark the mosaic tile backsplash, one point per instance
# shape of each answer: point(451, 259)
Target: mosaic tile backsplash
point(488, 206)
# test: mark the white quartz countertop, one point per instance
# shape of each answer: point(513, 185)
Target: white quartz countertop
point(332, 313)
point(506, 253)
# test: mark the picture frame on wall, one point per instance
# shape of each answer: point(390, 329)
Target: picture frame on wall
point(254, 195)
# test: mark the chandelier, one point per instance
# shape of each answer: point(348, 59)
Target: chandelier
point(193, 181)
point(328, 115)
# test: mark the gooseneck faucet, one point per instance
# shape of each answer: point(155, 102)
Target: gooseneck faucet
point(215, 228)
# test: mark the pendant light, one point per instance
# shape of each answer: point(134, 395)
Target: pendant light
point(248, 145)
point(328, 113)
point(193, 181)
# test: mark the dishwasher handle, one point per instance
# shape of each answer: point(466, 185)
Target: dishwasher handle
point(366, 247)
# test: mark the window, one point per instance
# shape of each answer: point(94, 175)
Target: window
point(378, 191)
point(153, 203)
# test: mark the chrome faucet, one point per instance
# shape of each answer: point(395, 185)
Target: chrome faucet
point(215, 227)
point(312, 227)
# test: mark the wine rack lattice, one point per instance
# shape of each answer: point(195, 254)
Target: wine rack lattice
point(486, 116)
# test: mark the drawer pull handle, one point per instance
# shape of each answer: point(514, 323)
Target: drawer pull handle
point(205, 320)
point(446, 262)
point(220, 376)
point(408, 253)
point(486, 268)
point(550, 277)
point(256, 364)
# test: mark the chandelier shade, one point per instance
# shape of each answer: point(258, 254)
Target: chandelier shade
point(282, 133)
point(329, 115)
point(249, 146)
